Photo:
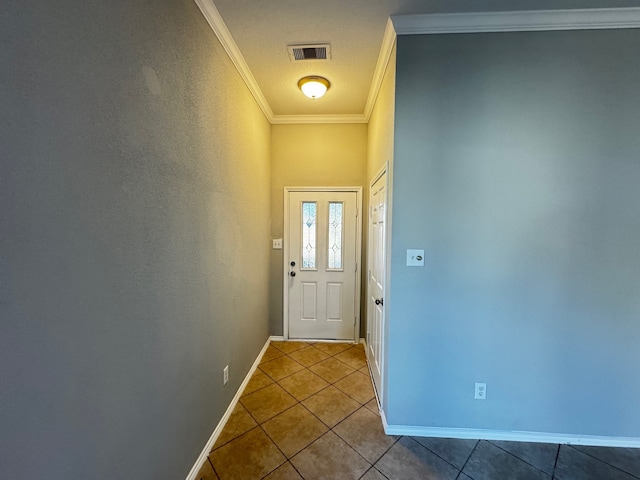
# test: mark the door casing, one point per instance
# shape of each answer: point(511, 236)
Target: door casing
point(285, 254)
point(378, 389)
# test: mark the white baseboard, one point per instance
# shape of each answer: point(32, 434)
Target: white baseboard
point(223, 421)
point(481, 434)
point(276, 338)
point(316, 340)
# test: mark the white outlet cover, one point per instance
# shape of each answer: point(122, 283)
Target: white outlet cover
point(481, 391)
point(415, 258)
point(277, 243)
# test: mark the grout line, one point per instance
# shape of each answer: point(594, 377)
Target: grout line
point(387, 451)
point(299, 402)
point(441, 457)
point(469, 457)
point(522, 459)
point(602, 461)
point(555, 464)
point(212, 467)
point(286, 459)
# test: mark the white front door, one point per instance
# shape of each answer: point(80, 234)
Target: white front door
point(376, 279)
point(321, 265)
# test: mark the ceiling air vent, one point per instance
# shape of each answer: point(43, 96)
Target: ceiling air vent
point(299, 53)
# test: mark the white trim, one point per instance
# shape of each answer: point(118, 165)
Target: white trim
point(512, 436)
point(276, 338)
point(285, 255)
point(320, 340)
point(223, 421)
point(518, 21)
point(306, 119)
point(388, 41)
point(215, 21)
point(375, 392)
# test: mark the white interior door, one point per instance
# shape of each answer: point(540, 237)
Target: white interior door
point(321, 269)
point(376, 279)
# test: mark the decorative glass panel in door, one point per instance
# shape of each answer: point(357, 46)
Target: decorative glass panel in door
point(334, 245)
point(309, 235)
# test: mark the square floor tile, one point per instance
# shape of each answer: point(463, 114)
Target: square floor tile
point(332, 348)
point(253, 455)
point(488, 462)
point(239, 422)
point(373, 406)
point(331, 405)
point(308, 356)
point(258, 380)
point(540, 455)
point(294, 429)
point(284, 472)
point(329, 458)
point(280, 367)
point(408, 459)
point(288, 347)
point(453, 450)
point(353, 357)
point(331, 369)
point(267, 402)
point(357, 386)
point(627, 459)
point(303, 384)
point(206, 472)
point(271, 353)
point(363, 431)
point(573, 464)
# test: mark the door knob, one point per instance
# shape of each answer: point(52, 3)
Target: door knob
point(379, 301)
point(293, 274)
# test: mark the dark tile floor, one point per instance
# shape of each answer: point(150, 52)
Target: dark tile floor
point(309, 412)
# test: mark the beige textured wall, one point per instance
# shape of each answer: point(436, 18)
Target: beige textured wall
point(309, 155)
point(134, 230)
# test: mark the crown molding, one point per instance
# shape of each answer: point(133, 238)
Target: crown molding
point(388, 41)
point(215, 21)
point(301, 119)
point(523, 21)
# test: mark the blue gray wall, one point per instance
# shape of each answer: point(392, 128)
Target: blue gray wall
point(517, 169)
point(134, 237)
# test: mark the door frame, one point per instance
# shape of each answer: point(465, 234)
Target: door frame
point(285, 254)
point(384, 170)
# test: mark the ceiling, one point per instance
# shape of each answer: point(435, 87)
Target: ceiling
point(262, 29)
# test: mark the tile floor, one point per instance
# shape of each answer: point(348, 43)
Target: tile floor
point(309, 412)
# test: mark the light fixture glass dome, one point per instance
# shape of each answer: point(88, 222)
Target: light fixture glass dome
point(313, 86)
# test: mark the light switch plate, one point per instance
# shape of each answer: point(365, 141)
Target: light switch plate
point(415, 258)
point(277, 243)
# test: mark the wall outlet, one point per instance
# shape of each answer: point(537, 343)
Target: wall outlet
point(481, 391)
point(277, 243)
point(225, 375)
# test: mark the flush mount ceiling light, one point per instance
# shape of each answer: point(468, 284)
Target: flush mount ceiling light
point(314, 86)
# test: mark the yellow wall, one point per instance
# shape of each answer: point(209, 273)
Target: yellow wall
point(379, 151)
point(381, 125)
point(309, 155)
